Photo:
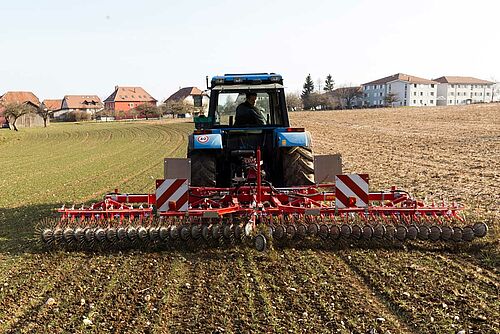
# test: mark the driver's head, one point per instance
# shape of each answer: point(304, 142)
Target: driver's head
point(251, 97)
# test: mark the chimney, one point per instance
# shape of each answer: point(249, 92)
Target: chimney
point(116, 87)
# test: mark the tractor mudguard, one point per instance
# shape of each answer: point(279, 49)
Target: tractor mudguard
point(205, 141)
point(291, 138)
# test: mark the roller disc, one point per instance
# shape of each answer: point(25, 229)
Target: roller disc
point(100, 234)
point(446, 233)
point(80, 234)
point(143, 234)
point(196, 231)
point(111, 234)
point(206, 232)
point(345, 231)
point(154, 233)
point(301, 231)
point(390, 232)
point(423, 232)
point(164, 233)
point(291, 230)
point(412, 232)
point(89, 235)
point(279, 232)
point(227, 232)
point(132, 233)
point(379, 231)
point(401, 232)
point(121, 234)
point(313, 229)
point(356, 232)
point(238, 231)
point(457, 234)
point(480, 230)
point(185, 232)
point(468, 234)
point(435, 233)
point(68, 235)
point(260, 243)
point(58, 234)
point(367, 232)
point(174, 232)
point(335, 232)
point(216, 231)
point(323, 231)
point(47, 235)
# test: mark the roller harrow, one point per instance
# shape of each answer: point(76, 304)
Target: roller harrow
point(254, 214)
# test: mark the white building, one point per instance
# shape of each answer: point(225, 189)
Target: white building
point(453, 90)
point(406, 90)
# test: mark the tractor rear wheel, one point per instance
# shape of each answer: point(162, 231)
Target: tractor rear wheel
point(298, 166)
point(203, 169)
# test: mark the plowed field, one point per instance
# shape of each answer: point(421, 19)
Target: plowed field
point(435, 153)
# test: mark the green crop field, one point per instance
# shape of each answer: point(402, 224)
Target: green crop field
point(416, 288)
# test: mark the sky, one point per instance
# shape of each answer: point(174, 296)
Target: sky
point(71, 47)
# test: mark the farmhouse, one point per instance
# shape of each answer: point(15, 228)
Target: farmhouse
point(28, 98)
point(52, 105)
point(405, 90)
point(455, 90)
point(81, 103)
point(193, 97)
point(127, 98)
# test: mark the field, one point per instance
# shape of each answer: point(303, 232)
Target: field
point(434, 153)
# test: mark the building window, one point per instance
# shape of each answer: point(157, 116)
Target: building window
point(404, 102)
point(432, 93)
point(421, 93)
point(451, 101)
point(432, 85)
point(415, 85)
point(431, 101)
point(414, 101)
point(414, 93)
point(197, 101)
point(452, 86)
point(421, 102)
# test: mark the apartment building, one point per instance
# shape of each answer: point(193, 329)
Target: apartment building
point(455, 90)
point(400, 90)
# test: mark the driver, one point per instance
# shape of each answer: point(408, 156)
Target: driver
point(247, 114)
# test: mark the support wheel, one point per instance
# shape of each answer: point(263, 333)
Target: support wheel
point(260, 243)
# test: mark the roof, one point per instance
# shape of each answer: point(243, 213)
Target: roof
point(401, 77)
point(346, 89)
point(20, 97)
point(182, 93)
point(130, 94)
point(52, 104)
point(462, 80)
point(81, 102)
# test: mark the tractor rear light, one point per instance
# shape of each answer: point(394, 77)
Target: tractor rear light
point(295, 130)
point(202, 132)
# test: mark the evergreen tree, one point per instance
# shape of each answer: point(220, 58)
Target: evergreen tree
point(308, 87)
point(329, 83)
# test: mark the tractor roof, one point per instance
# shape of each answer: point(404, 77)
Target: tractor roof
point(247, 79)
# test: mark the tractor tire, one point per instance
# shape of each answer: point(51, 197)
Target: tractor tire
point(203, 169)
point(298, 166)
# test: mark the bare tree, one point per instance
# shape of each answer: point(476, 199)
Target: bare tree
point(391, 98)
point(347, 95)
point(43, 112)
point(147, 110)
point(12, 111)
point(175, 108)
point(293, 102)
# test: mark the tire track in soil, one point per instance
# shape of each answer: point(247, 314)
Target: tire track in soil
point(329, 269)
point(416, 282)
point(166, 305)
point(30, 300)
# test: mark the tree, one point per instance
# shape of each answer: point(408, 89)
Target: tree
point(307, 91)
point(329, 83)
point(12, 111)
point(147, 110)
point(391, 98)
point(175, 108)
point(293, 102)
point(347, 95)
point(44, 112)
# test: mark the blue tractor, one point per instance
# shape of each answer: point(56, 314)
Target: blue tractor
point(226, 140)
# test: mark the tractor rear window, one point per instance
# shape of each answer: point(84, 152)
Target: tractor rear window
point(228, 102)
